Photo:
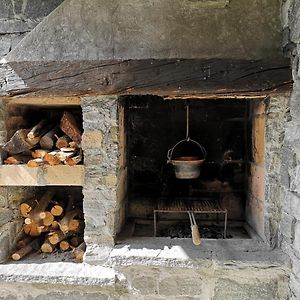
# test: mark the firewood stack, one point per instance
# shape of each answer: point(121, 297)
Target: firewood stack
point(51, 225)
point(46, 143)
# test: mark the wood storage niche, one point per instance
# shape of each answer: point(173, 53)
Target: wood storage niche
point(43, 135)
point(51, 225)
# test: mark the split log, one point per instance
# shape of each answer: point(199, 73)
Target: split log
point(47, 247)
point(69, 126)
point(34, 245)
point(64, 245)
point(17, 159)
point(55, 237)
point(47, 141)
point(47, 218)
point(79, 251)
point(75, 241)
point(64, 155)
point(67, 149)
point(62, 142)
point(34, 163)
point(40, 207)
point(64, 223)
point(39, 153)
point(32, 229)
point(72, 161)
point(37, 131)
point(52, 159)
point(57, 210)
point(18, 142)
point(27, 207)
point(73, 145)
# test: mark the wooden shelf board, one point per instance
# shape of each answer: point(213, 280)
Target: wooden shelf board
point(22, 175)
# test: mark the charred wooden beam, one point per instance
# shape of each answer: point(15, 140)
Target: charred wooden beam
point(159, 77)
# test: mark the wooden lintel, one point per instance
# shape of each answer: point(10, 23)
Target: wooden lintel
point(172, 77)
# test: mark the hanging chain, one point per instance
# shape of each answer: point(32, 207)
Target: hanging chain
point(187, 123)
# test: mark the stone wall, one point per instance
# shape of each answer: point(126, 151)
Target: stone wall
point(18, 17)
point(101, 149)
point(10, 220)
point(290, 170)
point(150, 283)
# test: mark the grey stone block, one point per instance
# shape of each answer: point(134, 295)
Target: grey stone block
point(40, 8)
point(227, 289)
point(3, 197)
point(4, 242)
point(6, 9)
point(51, 295)
point(6, 216)
point(5, 45)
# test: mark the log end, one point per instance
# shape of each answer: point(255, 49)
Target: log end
point(16, 256)
point(47, 248)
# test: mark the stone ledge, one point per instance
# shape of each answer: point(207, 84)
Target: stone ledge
point(167, 252)
point(59, 272)
point(21, 175)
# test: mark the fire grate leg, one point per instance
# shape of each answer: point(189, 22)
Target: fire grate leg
point(155, 224)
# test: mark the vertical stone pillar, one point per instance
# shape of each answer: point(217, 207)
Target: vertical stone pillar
point(101, 160)
point(290, 169)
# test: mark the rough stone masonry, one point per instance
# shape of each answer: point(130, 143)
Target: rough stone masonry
point(290, 170)
point(218, 280)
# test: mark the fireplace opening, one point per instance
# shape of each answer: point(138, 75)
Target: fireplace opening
point(225, 199)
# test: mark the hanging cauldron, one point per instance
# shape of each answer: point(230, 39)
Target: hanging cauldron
point(186, 167)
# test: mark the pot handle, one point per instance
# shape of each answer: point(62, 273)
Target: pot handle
point(170, 151)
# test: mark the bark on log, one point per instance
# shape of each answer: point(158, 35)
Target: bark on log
point(24, 242)
point(39, 153)
point(17, 159)
point(64, 224)
point(75, 241)
point(37, 131)
point(52, 159)
point(72, 161)
point(63, 142)
point(47, 218)
point(34, 245)
point(47, 141)
point(79, 251)
point(18, 142)
point(32, 229)
point(40, 207)
point(27, 207)
point(69, 126)
point(34, 163)
point(73, 145)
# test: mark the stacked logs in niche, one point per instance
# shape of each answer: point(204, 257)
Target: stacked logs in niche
point(51, 225)
point(46, 143)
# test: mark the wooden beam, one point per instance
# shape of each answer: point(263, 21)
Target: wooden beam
point(168, 77)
